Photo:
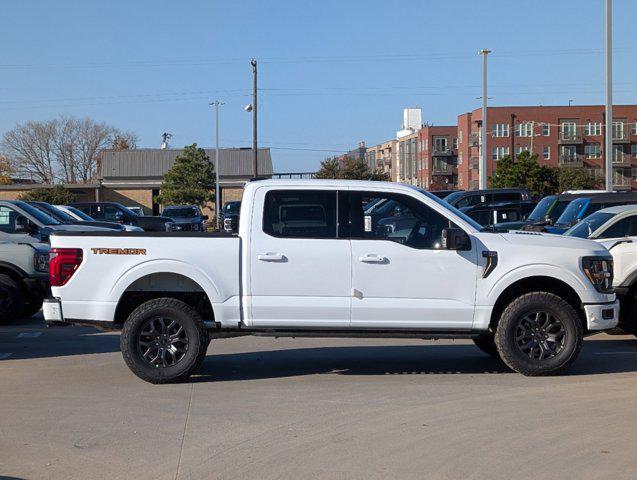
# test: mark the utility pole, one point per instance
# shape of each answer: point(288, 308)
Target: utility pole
point(608, 147)
point(513, 137)
point(482, 171)
point(216, 104)
point(255, 152)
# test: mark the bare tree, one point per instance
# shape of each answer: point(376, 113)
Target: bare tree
point(29, 148)
point(65, 149)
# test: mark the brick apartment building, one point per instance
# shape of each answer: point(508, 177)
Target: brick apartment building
point(383, 157)
point(437, 157)
point(559, 135)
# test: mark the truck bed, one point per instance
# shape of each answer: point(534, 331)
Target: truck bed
point(115, 263)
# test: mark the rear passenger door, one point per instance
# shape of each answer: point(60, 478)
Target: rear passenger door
point(299, 265)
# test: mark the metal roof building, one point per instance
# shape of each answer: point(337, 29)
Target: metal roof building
point(147, 166)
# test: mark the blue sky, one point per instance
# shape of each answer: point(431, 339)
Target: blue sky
point(331, 72)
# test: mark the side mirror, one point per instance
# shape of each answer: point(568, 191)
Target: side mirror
point(455, 239)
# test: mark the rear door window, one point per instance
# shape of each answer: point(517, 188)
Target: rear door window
point(300, 213)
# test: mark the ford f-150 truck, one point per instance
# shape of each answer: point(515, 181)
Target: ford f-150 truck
point(308, 260)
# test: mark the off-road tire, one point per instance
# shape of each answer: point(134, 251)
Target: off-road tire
point(486, 343)
point(514, 313)
point(11, 299)
point(168, 308)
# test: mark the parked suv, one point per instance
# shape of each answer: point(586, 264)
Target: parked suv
point(24, 278)
point(21, 220)
point(116, 212)
point(187, 218)
point(581, 208)
point(485, 197)
point(230, 215)
point(66, 218)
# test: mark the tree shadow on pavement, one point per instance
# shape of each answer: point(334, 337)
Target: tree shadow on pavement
point(598, 357)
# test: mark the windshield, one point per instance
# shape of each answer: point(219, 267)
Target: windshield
point(188, 212)
point(56, 213)
point(572, 212)
point(454, 210)
point(42, 217)
point(541, 210)
point(80, 214)
point(586, 227)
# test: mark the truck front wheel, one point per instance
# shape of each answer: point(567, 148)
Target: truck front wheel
point(539, 333)
point(164, 341)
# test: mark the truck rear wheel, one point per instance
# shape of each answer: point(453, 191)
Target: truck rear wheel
point(539, 334)
point(164, 341)
point(11, 299)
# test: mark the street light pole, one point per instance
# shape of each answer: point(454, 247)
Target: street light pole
point(216, 104)
point(482, 171)
point(255, 152)
point(608, 147)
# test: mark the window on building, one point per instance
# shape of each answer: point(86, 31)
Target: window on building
point(546, 153)
point(592, 150)
point(546, 129)
point(633, 150)
point(455, 143)
point(498, 152)
point(568, 128)
point(593, 129)
point(633, 130)
point(522, 148)
point(300, 214)
point(524, 129)
point(635, 173)
point(500, 130)
point(618, 129)
point(594, 172)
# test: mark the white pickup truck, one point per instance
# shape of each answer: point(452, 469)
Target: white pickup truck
point(335, 258)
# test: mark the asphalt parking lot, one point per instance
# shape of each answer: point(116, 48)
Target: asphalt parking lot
point(312, 408)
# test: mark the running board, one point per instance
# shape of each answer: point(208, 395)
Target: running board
point(343, 333)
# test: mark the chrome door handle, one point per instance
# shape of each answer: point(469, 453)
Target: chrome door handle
point(372, 258)
point(271, 257)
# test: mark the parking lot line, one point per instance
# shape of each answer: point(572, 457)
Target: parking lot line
point(615, 353)
point(28, 335)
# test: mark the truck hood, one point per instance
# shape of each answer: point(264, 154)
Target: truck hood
point(536, 241)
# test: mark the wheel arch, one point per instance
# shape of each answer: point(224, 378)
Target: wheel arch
point(163, 285)
point(538, 283)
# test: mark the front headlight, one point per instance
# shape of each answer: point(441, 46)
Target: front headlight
point(599, 271)
point(41, 262)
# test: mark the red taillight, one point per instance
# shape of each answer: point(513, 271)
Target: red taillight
point(63, 262)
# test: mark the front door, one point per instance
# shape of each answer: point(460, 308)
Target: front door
point(300, 270)
point(401, 276)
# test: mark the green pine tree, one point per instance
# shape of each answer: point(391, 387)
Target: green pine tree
point(191, 180)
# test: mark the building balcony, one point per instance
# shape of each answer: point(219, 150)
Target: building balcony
point(571, 160)
point(441, 152)
point(442, 168)
point(621, 181)
point(621, 159)
point(621, 135)
point(570, 137)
